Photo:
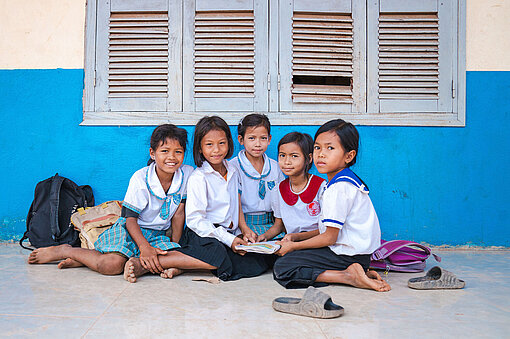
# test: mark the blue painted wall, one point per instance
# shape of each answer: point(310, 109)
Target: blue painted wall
point(433, 184)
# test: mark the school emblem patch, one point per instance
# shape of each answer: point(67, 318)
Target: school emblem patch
point(271, 185)
point(313, 208)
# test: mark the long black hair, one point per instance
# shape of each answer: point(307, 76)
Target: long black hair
point(347, 133)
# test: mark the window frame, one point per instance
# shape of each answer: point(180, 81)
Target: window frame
point(96, 118)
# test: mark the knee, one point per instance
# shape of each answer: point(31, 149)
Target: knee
point(111, 265)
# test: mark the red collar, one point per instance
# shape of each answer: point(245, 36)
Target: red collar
point(307, 196)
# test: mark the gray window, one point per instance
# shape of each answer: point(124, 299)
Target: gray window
point(374, 62)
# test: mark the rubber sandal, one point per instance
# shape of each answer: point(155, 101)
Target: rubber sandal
point(315, 304)
point(436, 278)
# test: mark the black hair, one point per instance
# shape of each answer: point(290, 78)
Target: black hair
point(204, 126)
point(305, 143)
point(347, 133)
point(253, 120)
point(167, 131)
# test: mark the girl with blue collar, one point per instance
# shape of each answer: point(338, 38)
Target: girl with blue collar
point(259, 175)
point(152, 208)
point(348, 227)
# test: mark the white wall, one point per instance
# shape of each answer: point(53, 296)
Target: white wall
point(50, 34)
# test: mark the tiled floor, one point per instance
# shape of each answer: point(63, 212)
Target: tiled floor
point(43, 301)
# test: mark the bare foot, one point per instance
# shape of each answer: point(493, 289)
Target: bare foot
point(357, 277)
point(374, 275)
point(133, 269)
point(45, 255)
point(69, 263)
point(169, 273)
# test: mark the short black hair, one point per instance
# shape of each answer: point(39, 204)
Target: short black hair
point(253, 120)
point(204, 126)
point(347, 133)
point(305, 143)
point(167, 131)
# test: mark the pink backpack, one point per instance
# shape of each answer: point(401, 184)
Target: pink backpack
point(401, 256)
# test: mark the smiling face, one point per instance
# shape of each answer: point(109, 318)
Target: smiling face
point(329, 155)
point(214, 148)
point(255, 141)
point(291, 159)
point(168, 157)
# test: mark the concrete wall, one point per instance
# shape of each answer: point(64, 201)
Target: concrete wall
point(434, 184)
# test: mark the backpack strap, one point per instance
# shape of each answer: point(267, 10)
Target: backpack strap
point(56, 184)
point(25, 235)
point(389, 247)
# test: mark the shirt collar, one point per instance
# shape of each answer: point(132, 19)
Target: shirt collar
point(347, 175)
point(208, 169)
point(248, 168)
point(155, 187)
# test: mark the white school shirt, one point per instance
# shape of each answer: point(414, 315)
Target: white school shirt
point(146, 196)
point(249, 180)
point(213, 200)
point(300, 212)
point(346, 205)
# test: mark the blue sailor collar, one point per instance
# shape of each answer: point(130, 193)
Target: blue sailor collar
point(154, 185)
point(248, 169)
point(347, 175)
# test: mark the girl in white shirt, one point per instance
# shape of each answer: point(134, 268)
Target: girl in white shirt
point(214, 218)
point(152, 207)
point(348, 229)
point(259, 175)
point(296, 204)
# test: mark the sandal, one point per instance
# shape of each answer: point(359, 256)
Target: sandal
point(436, 278)
point(315, 304)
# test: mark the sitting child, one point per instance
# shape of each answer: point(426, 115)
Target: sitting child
point(258, 174)
point(154, 203)
point(348, 229)
point(297, 201)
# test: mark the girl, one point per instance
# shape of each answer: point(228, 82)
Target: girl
point(297, 201)
point(154, 203)
point(258, 174)
point(348, 228)
point(213, 211)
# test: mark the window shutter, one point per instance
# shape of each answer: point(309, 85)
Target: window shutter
point(137, 41)
point(413, 56)
point(322, 61)
point(227, 44)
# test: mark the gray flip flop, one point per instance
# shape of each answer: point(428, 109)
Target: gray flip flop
point(436, 278)
point(315, 304)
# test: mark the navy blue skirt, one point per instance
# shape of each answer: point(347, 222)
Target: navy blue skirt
point(230, 265)
point(300, 269)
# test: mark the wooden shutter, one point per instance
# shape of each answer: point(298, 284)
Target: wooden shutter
point(226, 45)
point(322, 63)
point(413, 56)
point(138, 56)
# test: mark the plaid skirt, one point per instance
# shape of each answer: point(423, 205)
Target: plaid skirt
point(260, 223)
point(117, 239)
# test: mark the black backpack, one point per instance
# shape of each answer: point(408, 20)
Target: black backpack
point(49, 217)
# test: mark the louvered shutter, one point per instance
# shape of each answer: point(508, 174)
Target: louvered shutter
point(322, 58)
point(225, 53)
point(413, 56)
point(137, 41)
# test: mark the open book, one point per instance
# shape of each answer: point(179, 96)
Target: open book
point(266, 247)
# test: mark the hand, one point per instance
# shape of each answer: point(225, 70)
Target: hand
point(261, 238)
point(289, 237)
point(286, 247)
point(249, 235)
point(149, 259)
point(238, 241)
